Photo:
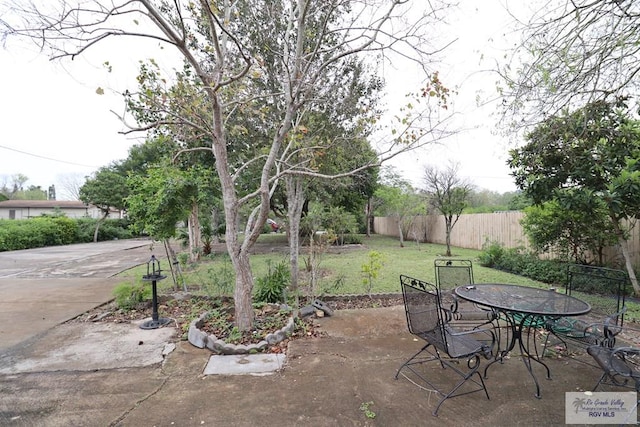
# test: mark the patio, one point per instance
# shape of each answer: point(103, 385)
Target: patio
point(326, 382)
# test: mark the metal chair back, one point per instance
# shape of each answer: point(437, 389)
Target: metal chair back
point(451, 273)
point(611, 284)
point(422, 308)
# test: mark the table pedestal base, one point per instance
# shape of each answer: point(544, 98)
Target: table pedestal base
point(516, 323)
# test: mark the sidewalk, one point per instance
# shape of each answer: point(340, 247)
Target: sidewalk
point(325, 381)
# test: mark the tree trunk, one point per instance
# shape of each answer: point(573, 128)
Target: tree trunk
point(400, 233)
point(98, 224)
point(215, 224)
point(627, 257)
point(238, 252)
point(195, 236)
point(295, 202)
point(448, 236)
point(369, 216)
point(242, 294)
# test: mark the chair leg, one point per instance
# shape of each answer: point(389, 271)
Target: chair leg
point(474, 370)
point(602, 378)
point(410, 360)
point(546, 342)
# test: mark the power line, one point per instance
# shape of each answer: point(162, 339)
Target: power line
point(47, 158)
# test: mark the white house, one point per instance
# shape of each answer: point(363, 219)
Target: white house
point(23, 209)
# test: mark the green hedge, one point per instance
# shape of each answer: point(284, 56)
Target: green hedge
point(57, 230)
point(520, 262)
point(110, 229)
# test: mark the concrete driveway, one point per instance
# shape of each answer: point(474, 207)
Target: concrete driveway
point(41, 288)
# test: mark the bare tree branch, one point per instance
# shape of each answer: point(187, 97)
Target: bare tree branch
point(572, 53)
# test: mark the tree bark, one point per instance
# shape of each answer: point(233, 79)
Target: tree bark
point(627, 257)
point(295, 201)
point(369, 216)
point(195, 237)
point(105, 214)
point(242, 294)
point(447, 227)
point(400, 233)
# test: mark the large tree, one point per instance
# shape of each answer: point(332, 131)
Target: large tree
point(106, 189)
point(225, 46)
point(588, 155)
point(397, 199)
point(575, 228)
point(448, 194)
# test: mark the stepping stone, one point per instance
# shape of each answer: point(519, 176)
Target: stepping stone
point(245, 364)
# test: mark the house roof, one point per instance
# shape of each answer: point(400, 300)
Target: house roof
point(43, 204)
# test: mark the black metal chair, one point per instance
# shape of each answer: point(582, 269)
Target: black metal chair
point(620, 366)
point(427, 319)
point(451, 273)
point(584, 331)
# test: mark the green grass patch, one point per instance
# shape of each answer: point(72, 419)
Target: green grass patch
point(341, 270)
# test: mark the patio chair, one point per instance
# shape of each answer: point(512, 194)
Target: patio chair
point(620, 366)
point(586, 331)
point(427, 319)
point(451, 273)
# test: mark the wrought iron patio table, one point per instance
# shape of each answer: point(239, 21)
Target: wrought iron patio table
point(522, 308)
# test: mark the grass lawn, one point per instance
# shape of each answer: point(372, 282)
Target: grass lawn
point(341, 269)
point(414, 260)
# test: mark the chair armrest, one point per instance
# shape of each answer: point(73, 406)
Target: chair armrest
point(456, 332)
point(488, 340)
point(625, 361)
point(608, 329)
point(626, 351)
point(611, 325)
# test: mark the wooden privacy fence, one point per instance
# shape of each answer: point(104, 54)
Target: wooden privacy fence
point(473, 230)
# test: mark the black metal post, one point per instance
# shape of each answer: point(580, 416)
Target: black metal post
point(154, 302)
point(154, 274)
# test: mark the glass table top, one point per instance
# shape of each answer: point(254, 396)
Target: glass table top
point(523, 299)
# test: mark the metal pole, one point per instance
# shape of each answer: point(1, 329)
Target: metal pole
point(154, 302)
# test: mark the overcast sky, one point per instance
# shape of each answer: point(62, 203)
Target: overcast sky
point(55, 125)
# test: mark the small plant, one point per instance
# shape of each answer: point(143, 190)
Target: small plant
point(128, 296)
point(337, 285)
point(365, 407)
point(371, 269)
point(183, 258)
point(270, 288)
point(234, 335)
point(220, 278)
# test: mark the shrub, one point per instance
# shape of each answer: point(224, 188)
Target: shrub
point(352, 239)
point(36, 232)
point(527, 264)
point(110, 229)
point(113, 229)
point(491, 254)
point(66, 230)
point(270, 288)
